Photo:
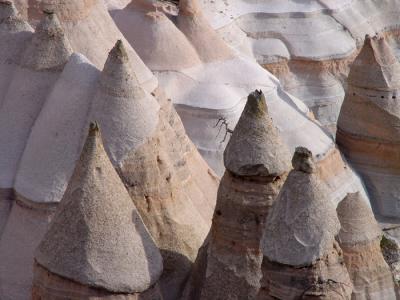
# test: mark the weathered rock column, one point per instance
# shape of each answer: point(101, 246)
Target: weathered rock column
point(257, 163)
point(360, 238)
point(302, 260)
point(97, 245)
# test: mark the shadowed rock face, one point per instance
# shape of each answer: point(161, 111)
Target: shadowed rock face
point(229, 265)
point(78, 245)
point(370, 120)
point(301, 256)
point(360, 238)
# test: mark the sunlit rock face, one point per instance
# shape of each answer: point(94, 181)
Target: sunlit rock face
point(174, 179)
point(257, 162)
point(301, 255)
point(91, 32)
point(211, 81)
point(96, 244)
point(369, 120)
point(308, 45)
point(360, 239)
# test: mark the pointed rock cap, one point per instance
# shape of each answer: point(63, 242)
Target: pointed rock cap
point(303, 223)
point(127, 113)
point(49, 47)
point(97, 237)
point(10, 17)
point(255, 147)
point(376, 67)
point(303, 160)
point(358, 224)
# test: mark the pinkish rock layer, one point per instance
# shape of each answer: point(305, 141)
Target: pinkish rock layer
point(360, 238)
point(257, 166)
point(171, 185)
point(301, 256)
point(370, 120)
point(97, 238)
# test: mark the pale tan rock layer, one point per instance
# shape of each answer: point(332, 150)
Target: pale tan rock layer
point(360, 238)
point(47, 285)
point(257, 164)
point(174, 191)
point(368, 126)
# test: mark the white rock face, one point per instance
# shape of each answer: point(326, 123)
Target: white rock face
point(51, 151)
point(312, 42)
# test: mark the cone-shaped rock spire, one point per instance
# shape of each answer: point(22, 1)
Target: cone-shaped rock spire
point(257, 165)
point(370, 119)
point(301, 257)
point(207, 42)
point(97, 237)
point(360, 239)
point(49, 47)
point(303, 223)
point(127, 113)
point(255, 148)
point(358, 224)
point(149, 29)
point(376, 67)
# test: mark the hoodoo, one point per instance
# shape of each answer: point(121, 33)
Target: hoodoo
point(44, 57)
point(370, 119)
point(301, 256)
point(360, 238)
point(92, 32)
point(97, 244)
point(208, 44)
point(146, 29)
point(257, 163)
point(171, 185)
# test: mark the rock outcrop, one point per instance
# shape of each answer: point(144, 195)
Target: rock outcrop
point(91, 31)
point(41, 63)
point(97, 244)
point(301, 257)
point(257, 162)
point(171, 185)
point(360, 239)
point(307, 45)
point(369, 120)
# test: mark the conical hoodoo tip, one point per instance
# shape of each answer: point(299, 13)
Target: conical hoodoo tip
point(94, 129)
point(303, 160)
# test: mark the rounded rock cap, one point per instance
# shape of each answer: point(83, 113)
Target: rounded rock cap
point(303, 160)
point(358, 224)
point(255, 147)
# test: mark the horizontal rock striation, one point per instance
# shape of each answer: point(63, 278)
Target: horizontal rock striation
point(369, 121)
point(257, 163)
point(360, 238)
